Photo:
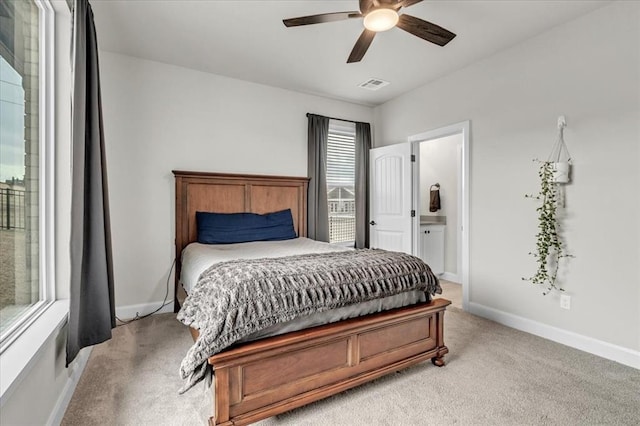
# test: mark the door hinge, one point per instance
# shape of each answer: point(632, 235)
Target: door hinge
point(413, 158)
point(413, 213)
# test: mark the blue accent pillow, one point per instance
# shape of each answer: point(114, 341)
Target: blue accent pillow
point(227, 228)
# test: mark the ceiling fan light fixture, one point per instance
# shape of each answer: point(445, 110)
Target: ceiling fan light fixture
point(381, 19)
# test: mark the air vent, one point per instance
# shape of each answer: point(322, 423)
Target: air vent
point(373, 84)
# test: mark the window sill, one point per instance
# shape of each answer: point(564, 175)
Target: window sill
point(17, 360)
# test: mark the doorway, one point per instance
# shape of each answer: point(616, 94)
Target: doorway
point(451, 145)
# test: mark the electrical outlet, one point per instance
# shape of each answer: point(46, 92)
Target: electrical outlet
point(565, 301)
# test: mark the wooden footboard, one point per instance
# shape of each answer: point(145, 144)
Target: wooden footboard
point(267, 377)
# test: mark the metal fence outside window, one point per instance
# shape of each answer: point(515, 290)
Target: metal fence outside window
point(12, 209)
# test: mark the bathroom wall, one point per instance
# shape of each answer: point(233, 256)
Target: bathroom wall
point(440, 163)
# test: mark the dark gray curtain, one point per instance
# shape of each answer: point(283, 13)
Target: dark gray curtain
point(91, 310)
point(317, 205)
point(363, 145)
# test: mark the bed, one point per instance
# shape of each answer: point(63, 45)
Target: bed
point(262, 378)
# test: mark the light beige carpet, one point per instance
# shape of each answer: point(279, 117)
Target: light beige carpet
point(453, 292)
point(494, 376)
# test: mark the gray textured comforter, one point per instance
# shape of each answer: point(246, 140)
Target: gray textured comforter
point(237, 298)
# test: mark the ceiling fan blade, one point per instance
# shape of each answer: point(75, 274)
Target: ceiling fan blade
point(320, 19)
point(388, 4)
point(425, 30)
point(361, 46)
point(407, 3)
point(366, 6)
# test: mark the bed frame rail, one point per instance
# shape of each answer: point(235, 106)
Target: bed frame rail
point(270, 376)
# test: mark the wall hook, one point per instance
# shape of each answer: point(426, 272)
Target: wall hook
point(562, 122)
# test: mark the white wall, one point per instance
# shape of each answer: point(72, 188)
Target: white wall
point(162, 117)
point(439, 163)
point(589, 70)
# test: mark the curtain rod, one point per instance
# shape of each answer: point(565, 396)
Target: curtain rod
point(339, 119)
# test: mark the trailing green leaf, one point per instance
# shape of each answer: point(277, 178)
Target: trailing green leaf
point(549, 247)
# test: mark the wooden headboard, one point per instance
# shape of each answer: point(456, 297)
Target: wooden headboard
point(233, 193)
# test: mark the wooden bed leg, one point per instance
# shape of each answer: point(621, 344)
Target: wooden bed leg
point(438, 361)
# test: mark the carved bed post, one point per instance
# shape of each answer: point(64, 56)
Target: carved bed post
point(438, 360)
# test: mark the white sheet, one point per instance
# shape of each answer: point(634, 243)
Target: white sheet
point(196, 258)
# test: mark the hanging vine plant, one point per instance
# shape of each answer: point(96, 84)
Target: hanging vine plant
point(549, 246)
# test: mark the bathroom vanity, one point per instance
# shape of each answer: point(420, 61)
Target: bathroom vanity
point(432, 242)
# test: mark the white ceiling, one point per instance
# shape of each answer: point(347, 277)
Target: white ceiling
point(246, 40)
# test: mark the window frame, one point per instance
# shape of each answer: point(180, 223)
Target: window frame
point(46, 176)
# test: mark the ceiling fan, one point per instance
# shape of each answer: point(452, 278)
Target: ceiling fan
point(379, 15)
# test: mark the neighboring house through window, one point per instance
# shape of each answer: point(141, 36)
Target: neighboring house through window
point(341, 156)
point(25, 164)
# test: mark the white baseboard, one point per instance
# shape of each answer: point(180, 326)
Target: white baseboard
point(584, 343)
point(57, 414)
point(450, 276)
point(130, 311)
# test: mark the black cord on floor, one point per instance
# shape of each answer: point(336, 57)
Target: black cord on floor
point(164, 302)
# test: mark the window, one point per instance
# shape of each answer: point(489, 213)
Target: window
point(26, 183)
point(341, 195)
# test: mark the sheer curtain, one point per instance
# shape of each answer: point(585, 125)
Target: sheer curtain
point(318, 208)
point(363, 145)
point(91, 309)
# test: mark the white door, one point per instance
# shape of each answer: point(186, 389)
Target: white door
point(390, 198)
